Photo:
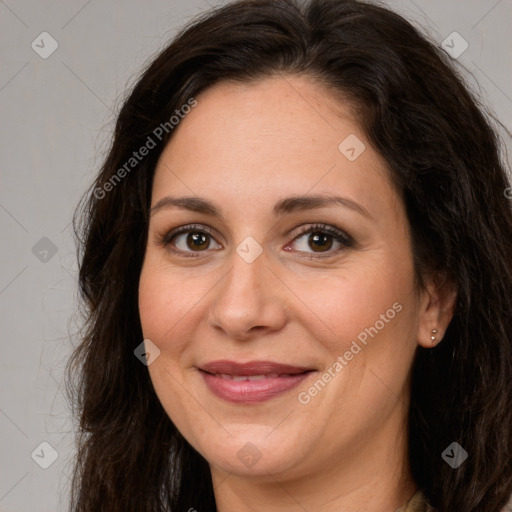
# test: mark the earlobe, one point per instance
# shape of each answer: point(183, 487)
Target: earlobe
point(437, 311)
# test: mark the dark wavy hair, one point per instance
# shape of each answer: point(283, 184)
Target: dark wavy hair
point(443, 151)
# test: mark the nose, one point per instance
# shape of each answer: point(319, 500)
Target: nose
point(249, 301)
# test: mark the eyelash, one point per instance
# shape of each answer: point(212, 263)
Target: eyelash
point(345, 240)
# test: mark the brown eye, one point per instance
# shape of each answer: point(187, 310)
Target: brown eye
point(198, 241)
point(320, 242)
point(190, 239)
point(321, 239)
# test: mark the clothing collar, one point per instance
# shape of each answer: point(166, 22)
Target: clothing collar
point(417, 503)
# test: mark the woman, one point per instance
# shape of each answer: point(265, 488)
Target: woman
point(297, 263)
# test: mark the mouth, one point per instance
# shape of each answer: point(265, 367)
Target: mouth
point(252, 382)
point(252, 378)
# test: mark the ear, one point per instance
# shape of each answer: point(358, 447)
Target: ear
point(437, 305)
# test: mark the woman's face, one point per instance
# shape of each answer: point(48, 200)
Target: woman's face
point(258, 163)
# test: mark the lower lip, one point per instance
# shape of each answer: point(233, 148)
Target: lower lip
point(247, 391)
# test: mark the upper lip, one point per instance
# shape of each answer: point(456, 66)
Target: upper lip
point(251, 368)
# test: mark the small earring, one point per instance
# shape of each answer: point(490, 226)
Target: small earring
point(433, 338)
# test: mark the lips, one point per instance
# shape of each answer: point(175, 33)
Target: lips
point(251, 382)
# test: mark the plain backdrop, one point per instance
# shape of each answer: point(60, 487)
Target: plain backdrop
point(56, 118)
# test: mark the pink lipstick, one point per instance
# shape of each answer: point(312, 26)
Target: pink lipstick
point(251, 382)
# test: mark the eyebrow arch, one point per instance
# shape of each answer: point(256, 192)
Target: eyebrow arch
point(282, 207)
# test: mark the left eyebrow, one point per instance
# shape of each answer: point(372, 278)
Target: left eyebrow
point(283, 206)
point(309, 202)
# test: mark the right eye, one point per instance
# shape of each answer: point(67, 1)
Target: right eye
point(189, 239)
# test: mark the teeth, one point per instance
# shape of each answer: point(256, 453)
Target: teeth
point(252, 377)
point(258, 377)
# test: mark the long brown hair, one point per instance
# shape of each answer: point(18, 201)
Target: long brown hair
point(444, 156)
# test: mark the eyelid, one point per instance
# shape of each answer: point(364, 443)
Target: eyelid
point(340, 236)
point(169, 235)
point(325, 228)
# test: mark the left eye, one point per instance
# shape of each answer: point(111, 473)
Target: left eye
point(320, 240)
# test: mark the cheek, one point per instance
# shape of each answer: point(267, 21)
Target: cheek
point(377, 320)
point(154, 301)
point(166, 303)
point(368, 317)
point(164, 311)
point(358, 299)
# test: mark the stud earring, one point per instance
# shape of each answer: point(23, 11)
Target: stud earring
point(433, 337)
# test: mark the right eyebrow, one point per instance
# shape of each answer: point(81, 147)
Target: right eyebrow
point(194, 204)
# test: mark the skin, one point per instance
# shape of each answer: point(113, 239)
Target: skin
point(244, 147)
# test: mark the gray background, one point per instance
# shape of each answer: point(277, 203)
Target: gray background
point(56, 119)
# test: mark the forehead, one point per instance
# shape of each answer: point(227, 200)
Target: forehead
point(253, 143)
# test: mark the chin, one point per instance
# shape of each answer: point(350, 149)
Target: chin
point(252, 451)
